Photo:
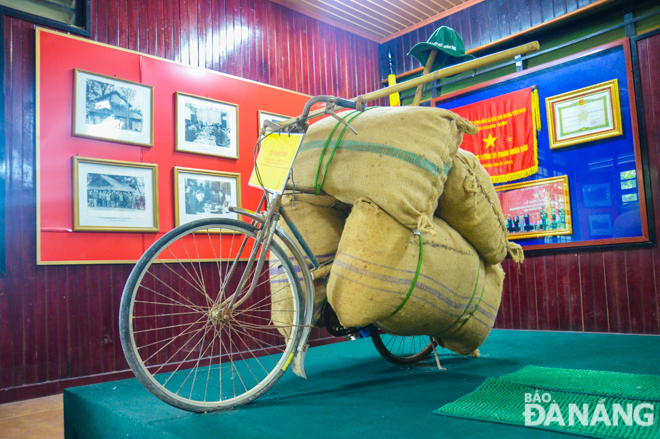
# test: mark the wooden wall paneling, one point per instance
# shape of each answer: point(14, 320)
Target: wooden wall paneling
point(514, 272)
point(586, 291)
point(550, 272)
point(571, 5)
point(504, 18)
point(494, 25)
point(112, 30)
point(619, 295)
point(475, 28)
point(648, 52)
point(598, 294)
point(503, 313)
point(563, 293)
point(635, 297)
point(313, 57)
point(52, 324)
point(547, 10)
point(193, 33)
point(656, 310)
point(525, 10)
point(409, 62)
point(541, 292)
point(530, 305)
point(648, 290)
point(131, 29)
point(559, 7)
point(515, 15)
point(536, 12)
point(574, 292)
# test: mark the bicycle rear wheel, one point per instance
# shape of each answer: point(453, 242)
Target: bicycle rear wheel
point(400, 349)
point(180, 338)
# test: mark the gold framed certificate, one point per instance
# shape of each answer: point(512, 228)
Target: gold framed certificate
point(590, 113)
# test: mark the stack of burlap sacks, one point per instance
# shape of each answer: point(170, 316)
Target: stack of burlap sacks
point(402, 171)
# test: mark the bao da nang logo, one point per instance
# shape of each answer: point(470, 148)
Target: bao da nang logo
point(552, 414)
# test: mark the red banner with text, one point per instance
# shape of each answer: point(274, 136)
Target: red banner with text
point(506, 142)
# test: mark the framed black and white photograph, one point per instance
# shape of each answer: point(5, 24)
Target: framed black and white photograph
point(206, 126)
point(111, 195)
point(199, 193)
point(273, 117)
point(109, 108)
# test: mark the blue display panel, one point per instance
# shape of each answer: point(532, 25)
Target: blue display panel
point(605, 177)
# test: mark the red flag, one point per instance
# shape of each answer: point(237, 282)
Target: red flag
point(506, 142)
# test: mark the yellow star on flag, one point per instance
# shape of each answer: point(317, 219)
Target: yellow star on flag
point(490, 141)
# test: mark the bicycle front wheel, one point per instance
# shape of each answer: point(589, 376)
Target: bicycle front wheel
point(181, 339)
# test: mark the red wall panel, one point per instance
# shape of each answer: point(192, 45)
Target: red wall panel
point(58, 324)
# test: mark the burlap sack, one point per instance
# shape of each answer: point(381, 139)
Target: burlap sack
point(399, 159)
point(456, 296)
point(321, 225)
point(470, 205)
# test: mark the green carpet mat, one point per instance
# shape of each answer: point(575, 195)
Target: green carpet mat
point(562, 394)
point(593, 382)
point(353, 393)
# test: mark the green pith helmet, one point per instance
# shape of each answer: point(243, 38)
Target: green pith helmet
point(451, 49)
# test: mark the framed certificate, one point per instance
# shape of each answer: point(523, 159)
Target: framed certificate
point(583, 115)
point(536, 208)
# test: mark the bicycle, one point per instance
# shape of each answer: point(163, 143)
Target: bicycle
point(187, 316)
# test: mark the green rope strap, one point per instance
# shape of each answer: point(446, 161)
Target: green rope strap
point(352, 116)
point(325, 147)
point(468, 305)
point(483, 288)
point(414, 282)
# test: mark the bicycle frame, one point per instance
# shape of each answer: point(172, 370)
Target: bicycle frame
point(267, 225)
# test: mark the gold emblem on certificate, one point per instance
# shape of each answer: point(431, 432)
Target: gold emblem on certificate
point(583, 115)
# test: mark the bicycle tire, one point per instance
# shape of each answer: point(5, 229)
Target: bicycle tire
point(401, 350)
point(242, 319)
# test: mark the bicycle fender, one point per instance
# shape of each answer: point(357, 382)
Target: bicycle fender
point(298, 363)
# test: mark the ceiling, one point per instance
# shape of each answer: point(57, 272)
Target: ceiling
point(377, 20)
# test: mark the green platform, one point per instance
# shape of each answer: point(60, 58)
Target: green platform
point(352, 392)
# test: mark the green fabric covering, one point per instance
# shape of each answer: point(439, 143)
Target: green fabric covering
point(594, 382)
point(351, 392)
point(503, 400)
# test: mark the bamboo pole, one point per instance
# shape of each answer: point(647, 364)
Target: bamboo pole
point(427, 69)
point(449, 71)
point(439, 74)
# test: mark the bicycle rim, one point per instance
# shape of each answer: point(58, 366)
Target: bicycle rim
point(182, 344)
point(401, 349)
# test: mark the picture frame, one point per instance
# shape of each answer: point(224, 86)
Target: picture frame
point(600, 224)
point(206, 126)
point(112, 109)
point(273, 117)
point(537, 208)
point(201, 193)
point(583, 115)
point(597, 195)
point(114, 196)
